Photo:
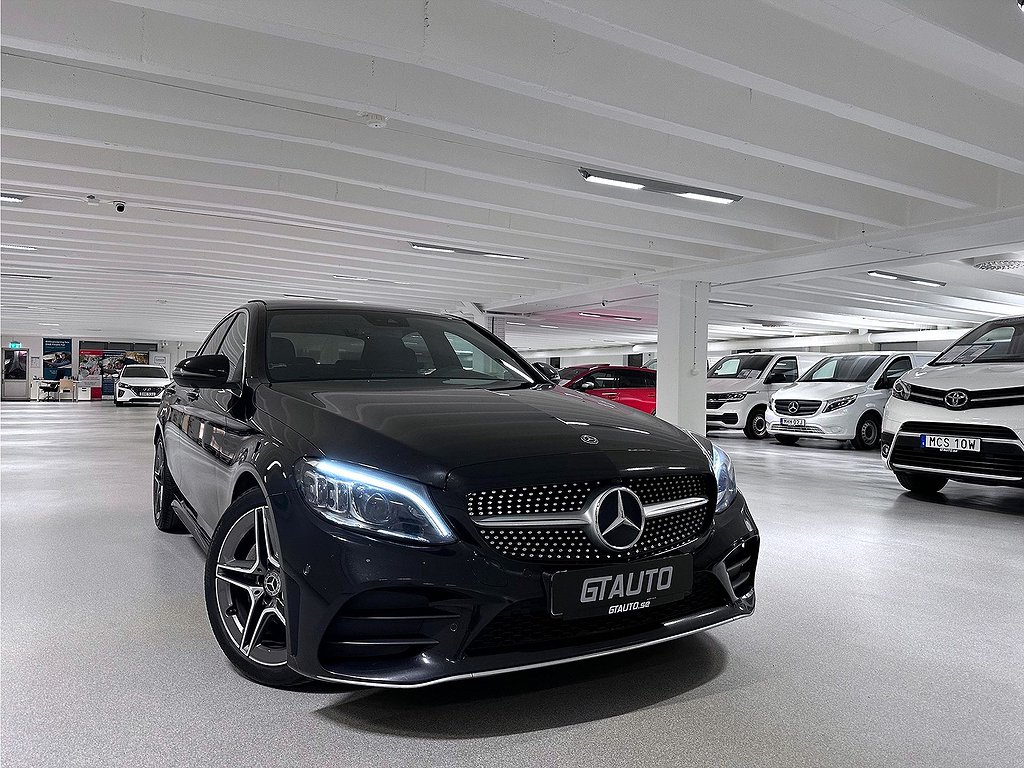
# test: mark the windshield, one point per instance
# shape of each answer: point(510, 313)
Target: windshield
point(850, 369)
point(363, 345)
point(143, 372)
point(740, 367)
point(1000, 341)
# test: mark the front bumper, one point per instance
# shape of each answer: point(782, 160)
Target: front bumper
point(377, 613)
point(999, 462)
point(123, 395)
point(840, 424)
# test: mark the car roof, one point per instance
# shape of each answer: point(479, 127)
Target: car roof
point(289, 303)
point(591, 368)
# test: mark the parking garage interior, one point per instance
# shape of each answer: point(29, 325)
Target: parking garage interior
point(627, 193)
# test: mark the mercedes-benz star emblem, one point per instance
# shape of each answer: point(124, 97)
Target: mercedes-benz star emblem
point(590, 439)
point(956, 399)
point(616, 519)
point(794, 406)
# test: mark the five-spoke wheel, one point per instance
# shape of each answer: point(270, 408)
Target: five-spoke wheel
point(245, 595)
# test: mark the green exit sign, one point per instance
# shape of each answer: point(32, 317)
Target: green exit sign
point(15, 345)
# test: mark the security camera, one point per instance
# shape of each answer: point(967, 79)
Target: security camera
point(119, 206)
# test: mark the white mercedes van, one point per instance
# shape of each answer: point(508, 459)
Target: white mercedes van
point(740, 386)
point(961, 417)
point(841, 398)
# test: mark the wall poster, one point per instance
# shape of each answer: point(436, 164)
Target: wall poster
point(90, 370)
point(57, 359)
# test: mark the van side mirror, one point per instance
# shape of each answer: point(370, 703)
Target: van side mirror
point(886, 382)
point(203, 372)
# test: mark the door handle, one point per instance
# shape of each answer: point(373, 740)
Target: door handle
point(610, 395)
point(193, 395)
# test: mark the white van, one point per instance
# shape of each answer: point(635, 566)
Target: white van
point(961, 417)
point(740, 386)
point(841, 398)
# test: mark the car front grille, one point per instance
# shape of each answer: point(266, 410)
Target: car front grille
point(996, 460)
point(570, 544)
point(803, 407)
point(529, 626)
point(982, 398)
point(802, 428)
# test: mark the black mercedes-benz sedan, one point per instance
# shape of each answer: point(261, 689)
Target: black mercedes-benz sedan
point(395, 498)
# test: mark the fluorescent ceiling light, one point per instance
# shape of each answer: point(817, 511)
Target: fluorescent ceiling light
point(10, 275)
point(433, 248)
point(321, 298)
point(705, 198)
point(5, 198)
point(50, 324)
point(17, 247)
point(512, 322)
point(906, 278)
point(613, 182)
point(503, 256)
point(610, 317)
point(351, 277)
point(729, 304)
point(553, 327)
point(664, 187)
point(355, 279)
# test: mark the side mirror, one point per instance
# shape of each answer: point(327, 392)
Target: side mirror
point(776, 378)
point(586, 385)
point(203, 372)
point(885, 382)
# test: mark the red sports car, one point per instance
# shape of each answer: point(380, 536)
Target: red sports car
point(630, 386)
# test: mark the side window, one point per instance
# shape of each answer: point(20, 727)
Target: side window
point(212, 343)
point(233, 346)
point(783, 372)
point(894, 370)
point(826, 371)
point(637, 379)
point(471, 358)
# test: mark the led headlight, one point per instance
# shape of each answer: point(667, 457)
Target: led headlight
point(901, 390)
point(727, 397)
point(839, 402)
point(372, 502)
point(725, 476)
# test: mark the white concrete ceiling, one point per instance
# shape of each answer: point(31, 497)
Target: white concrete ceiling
point(870, 134)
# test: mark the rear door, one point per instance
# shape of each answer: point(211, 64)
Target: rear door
point(638, 389)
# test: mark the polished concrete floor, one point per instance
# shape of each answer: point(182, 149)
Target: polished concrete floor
point(888, 633)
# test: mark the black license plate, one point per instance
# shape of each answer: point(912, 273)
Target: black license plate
point(620, 587)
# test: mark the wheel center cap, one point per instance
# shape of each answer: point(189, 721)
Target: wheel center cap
point(272, 584)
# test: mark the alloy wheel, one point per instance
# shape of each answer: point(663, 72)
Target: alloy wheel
point(250, 589)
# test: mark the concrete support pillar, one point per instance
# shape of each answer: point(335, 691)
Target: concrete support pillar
point(683, 352)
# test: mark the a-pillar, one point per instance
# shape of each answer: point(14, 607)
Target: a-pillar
point(683, 352)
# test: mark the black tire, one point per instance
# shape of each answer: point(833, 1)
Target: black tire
point(920, 482)
point(787, 439)
point(869, 433)
point(756, 427)
point(164, 493)
point(246, 608)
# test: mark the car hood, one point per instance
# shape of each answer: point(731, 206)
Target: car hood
point(733, 385)
point(970, 376)
point(425, 434)
point(820, 390)
point(138, 382)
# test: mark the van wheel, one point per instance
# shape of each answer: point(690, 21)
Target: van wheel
point(919, 482)
point(787, 439)
point(757, 426)
point(869, 433)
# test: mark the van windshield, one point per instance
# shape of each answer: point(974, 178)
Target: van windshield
point(999, 341)
point(849, 369)
point(740, 367)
